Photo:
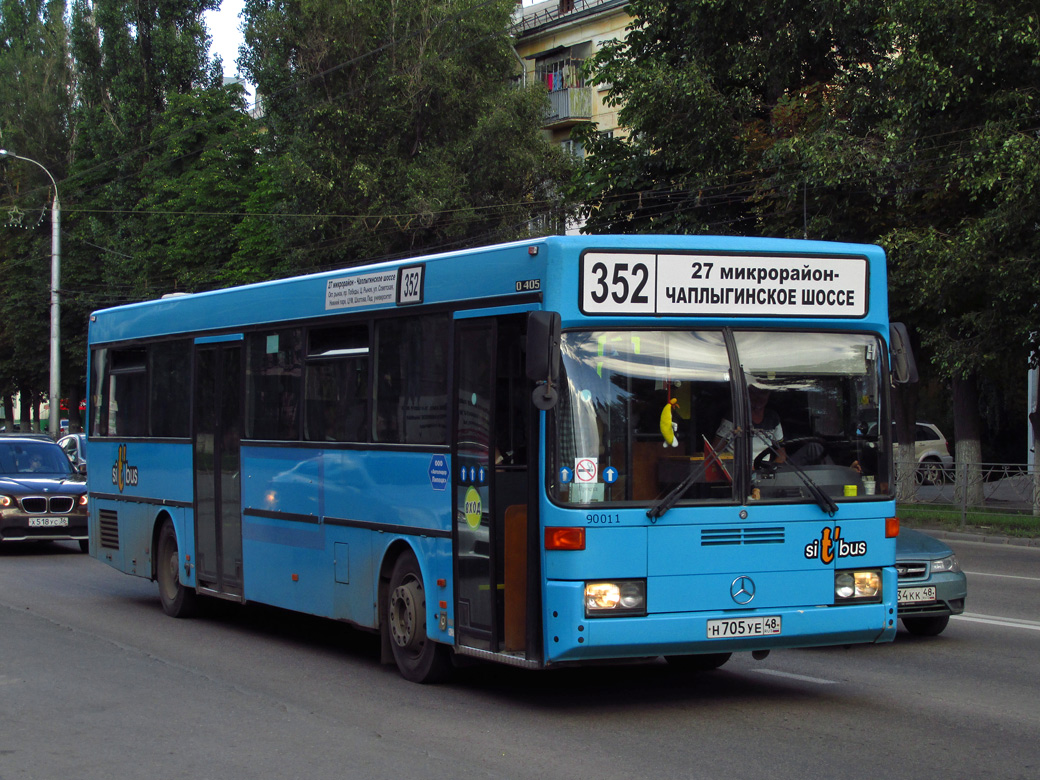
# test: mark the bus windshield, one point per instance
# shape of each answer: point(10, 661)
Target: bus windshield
point(720, 416)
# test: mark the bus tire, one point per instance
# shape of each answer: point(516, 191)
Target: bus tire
point(702, 662)
point(418, 658)
point(177, 601)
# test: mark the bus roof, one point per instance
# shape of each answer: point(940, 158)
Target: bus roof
point(546, 265)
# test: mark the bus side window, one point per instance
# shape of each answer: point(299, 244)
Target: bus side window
point(410, 370)
point(99, 359)
point(513, 398)
point(273, 376)
point(336, 384)
point(127, 413)
point(169, 372)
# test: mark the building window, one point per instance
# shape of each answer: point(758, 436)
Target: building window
point(574, 148)
point(560, 73)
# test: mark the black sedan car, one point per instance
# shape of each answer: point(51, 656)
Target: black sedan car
point(42, 497)
point(931, 584)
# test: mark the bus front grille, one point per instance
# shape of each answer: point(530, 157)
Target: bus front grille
point(714, 537)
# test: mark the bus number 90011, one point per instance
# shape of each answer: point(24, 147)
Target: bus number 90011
point(602, 518)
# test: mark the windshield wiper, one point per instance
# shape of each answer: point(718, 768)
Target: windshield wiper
point(825, 502)
point(696, 471)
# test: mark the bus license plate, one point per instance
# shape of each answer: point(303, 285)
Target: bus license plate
point(916, 595)
point(735, 627)
point(48, 522)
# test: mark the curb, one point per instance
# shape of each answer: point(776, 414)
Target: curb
point(967, 536)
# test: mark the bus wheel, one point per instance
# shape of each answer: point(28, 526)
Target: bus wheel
point(703, 662)
point(418, 658)
point(177, 601)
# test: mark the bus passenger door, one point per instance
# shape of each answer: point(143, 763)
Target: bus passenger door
point(217, 465)
point(492, 418)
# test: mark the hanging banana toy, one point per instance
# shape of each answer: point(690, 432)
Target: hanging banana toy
point(668, 428)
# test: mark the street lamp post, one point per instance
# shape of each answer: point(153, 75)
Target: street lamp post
point(55, 383)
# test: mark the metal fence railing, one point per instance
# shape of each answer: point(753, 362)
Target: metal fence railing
point(972, 488)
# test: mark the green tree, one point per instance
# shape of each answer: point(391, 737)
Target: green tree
point(195, 184)
point(36, 84)
point(393, 127)
point(963, 92)
point(162, 149)
point(909, 123)
point(707, 90)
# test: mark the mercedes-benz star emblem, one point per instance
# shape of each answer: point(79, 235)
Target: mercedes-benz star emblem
point(742, 590)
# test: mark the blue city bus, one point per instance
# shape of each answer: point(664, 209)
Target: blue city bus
point(542, 453)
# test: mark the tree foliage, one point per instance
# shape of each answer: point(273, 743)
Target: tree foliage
point(150, 110)
point(707, 90)
point(35, 100)
point(913, 124)
point(384, 127)
point(394, 126)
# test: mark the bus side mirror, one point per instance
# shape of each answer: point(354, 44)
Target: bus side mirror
point(543, 357)
point(904, 367)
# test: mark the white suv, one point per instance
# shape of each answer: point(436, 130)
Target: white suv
point(933, 455)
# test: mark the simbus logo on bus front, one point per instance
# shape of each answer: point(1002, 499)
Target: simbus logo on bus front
point(830, 544)
point(123, 473)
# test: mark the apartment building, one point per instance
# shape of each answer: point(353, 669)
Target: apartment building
point(553, 40)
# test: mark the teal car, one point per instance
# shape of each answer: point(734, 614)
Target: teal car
point(931, 584)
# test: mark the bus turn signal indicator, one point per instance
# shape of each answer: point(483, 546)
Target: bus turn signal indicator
point(564, 538)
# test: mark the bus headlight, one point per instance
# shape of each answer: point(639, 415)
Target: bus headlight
point(851, 585)
point(615, 598)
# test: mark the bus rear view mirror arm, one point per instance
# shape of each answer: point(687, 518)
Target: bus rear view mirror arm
point(543, 357)
point(904, 367)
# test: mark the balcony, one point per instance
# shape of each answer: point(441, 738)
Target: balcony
point(569, 106)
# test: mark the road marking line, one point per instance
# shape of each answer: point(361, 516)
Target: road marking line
point(790, 676)
point(971, 617)
point(1003, 576)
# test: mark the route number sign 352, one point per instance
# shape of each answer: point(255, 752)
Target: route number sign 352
point(637, 283)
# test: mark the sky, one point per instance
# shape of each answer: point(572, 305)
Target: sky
point(227, 37)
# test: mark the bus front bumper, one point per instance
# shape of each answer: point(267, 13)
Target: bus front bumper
point(571, 636)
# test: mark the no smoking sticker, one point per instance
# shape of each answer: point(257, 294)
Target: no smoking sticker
point(585, 470)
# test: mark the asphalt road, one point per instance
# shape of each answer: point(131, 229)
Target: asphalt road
point(95, 682)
